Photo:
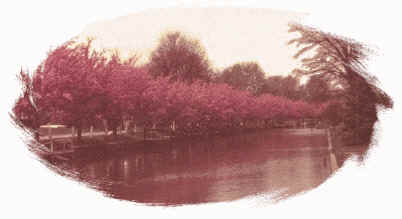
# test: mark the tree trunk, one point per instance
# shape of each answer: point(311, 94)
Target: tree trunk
point(145, 129)
point(91, 131)
point(79, 133)
point(105, 127)
point(173, 126)
point(36, 135)
point(127, 126)
point(114, 131)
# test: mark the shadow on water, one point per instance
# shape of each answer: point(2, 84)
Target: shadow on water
point(282, 162)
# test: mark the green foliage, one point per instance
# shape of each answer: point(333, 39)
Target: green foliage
point(317, 89)
point(247, 76)
point(341, 62)
point(181, 58)
point(288, 87)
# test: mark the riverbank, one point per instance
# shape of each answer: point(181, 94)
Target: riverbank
point(345, 149)
point(133, 138)
point(136, 139)
point(126, 141)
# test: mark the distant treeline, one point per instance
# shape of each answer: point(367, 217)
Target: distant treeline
point(78, 86)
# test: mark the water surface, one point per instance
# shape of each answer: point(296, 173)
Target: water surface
point(281, 161)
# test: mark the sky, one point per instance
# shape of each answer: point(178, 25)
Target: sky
point(229, 35)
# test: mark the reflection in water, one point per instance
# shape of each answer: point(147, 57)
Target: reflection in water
point(218, 169)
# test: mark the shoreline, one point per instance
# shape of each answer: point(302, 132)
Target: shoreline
point(130, 141)
point(124, 142)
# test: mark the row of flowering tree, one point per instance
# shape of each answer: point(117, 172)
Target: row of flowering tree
point(76, 86)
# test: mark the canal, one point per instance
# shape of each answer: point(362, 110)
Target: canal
point(280, 162)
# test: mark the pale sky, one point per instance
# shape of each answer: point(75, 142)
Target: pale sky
point(229, 35)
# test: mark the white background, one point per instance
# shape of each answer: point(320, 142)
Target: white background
point(29, 189)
